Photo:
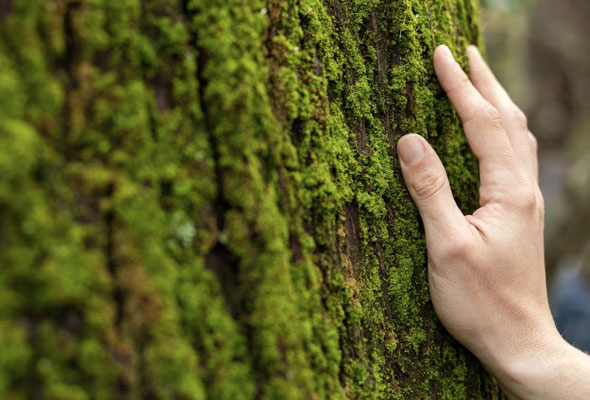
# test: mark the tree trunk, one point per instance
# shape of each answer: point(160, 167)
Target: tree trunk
point(202, 199)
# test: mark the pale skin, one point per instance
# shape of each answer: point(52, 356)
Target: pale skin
point(486, 270)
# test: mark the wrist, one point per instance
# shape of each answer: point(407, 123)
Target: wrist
point(521, 351)
point(536, 373)
point(523, 372)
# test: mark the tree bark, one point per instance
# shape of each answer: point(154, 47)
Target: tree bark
point(202, 199)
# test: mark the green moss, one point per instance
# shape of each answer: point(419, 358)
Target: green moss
point(202, 199)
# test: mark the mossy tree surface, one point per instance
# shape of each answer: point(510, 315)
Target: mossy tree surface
point(201, 199)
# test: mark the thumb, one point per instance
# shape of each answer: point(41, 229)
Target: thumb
point(429, 186)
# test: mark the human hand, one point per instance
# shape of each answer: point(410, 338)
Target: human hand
point(486, 271)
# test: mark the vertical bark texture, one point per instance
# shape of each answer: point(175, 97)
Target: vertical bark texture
point(201, 199)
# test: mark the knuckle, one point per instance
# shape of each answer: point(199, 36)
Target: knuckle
point(430, 185)
point(520, 117)
point(485, 116)
point(534, 143)
point(528, 200)
point(492, 116)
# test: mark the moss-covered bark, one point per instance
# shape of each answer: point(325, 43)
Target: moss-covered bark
point(201, 199)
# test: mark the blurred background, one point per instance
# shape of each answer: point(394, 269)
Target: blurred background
point(540, 51)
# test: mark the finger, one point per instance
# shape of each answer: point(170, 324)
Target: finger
point(483, 127)
point(513, 119)
point(484, 80)
point(429, 187)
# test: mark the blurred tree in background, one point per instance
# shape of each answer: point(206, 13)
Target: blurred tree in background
point(506, 6)
point(201, 199)
point(560, 73)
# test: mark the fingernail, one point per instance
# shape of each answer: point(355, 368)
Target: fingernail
point(410, 150)
point(447, 52)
